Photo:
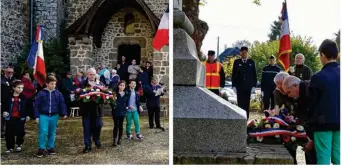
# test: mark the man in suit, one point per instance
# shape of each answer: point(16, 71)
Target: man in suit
point(267, 83)
point(244, 79)
point(6, 86)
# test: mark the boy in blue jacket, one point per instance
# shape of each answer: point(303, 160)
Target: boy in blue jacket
point(153, 92)
point(132, 113)
point(325, 106)
point(48, 105)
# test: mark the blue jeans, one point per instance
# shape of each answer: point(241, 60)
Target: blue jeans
point(47, 128)
point(91, 128)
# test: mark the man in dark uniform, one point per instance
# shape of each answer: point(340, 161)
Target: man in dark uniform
point(6, 86)
point(215, 77)
point(123, 71)
point(244, 79)
point(267, 84)
point(91, 113)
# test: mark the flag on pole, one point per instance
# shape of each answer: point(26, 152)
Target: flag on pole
point(285, 41)
point(162, 36)
point(35, 58)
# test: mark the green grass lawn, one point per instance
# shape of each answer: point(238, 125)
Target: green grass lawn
point(154, 149)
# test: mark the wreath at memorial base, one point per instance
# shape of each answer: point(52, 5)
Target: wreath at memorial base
point(277, 127)
point(97, 94)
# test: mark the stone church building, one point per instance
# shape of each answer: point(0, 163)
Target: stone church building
point(99, 31)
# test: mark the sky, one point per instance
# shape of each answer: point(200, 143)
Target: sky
point(234, 20)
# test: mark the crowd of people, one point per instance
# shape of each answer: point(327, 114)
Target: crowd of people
point(22, 100)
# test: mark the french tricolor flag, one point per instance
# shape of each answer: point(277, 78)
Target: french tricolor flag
point(162, 36)
point(285, 41)
point(35, 58)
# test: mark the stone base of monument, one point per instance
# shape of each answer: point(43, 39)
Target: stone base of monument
point(254, 155)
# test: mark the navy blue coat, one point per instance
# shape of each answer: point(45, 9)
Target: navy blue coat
point(267, 77)
point(244, 75)
point(121, 105)
point(152, 100)
point(49, 103)
point(325, 104)
point(8, 106)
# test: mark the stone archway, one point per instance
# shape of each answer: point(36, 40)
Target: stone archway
point(113, 56)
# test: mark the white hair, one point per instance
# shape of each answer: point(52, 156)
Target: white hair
point(302, 55)
point(91, 70)
point(290, 81)
point(280, 77)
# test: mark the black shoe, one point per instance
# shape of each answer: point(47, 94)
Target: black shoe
point(119, 142)
point(40, 153)
point(98, 144)
point(86, 149)
point(161, 128)
point(51, 151)
point(2, 136)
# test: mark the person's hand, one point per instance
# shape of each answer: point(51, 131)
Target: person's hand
point(5, 114)
point(64, 117)
point(292, 70)
point(27, 118)
point(131, 107)
point(141, 109)
point(253, 90)
point(308, 146)
point(234, 89)
point(37, 120)
point(154, 91)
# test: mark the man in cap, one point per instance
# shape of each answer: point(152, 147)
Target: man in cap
point(215, 77)
point(267, 84)
point(244, 79)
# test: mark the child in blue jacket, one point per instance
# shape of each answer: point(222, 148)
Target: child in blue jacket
point(119, 113)
point(15, 115)
point(48, 105)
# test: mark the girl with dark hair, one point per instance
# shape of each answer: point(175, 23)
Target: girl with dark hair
point(119, 113)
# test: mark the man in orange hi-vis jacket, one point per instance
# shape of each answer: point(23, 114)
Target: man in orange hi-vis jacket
point(214, 76)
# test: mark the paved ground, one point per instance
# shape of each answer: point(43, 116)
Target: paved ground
point(300, 152)
point(154, 149)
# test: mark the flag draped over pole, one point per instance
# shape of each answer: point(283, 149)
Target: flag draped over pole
point(285, 41)
point(35, 58)
point(162, 36)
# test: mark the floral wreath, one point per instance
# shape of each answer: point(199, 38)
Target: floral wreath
point(96, 93)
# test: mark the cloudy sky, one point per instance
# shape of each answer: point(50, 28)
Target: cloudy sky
point(234, 20)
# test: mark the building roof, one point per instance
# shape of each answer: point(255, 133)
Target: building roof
point(228, 53)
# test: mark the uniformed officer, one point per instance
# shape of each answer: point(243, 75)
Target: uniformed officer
point(214, 76)
point(244, 79)
point(267, 83)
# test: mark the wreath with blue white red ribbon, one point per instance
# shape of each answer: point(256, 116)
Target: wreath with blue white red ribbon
point(97, 93)
point(277, 127)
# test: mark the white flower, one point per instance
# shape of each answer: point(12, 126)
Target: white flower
point(268, 126)
point(98, 95)
point(276, 125)
point(83, 90)
point(97, 90)
point(92, 89)
point(293, 139)
point(110, 92)
point(259, 139)
point(87, 97)
point(300, 128)
point(277, 136)
point(107, 97)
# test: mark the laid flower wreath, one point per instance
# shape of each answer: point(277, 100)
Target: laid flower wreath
point(98, 94)
point(278, 127)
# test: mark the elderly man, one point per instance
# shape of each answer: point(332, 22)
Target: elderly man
point(280, 97)
point(299, 90)
point(6, 86)
point(91, 113)
point(325, 105)
point(301, 71)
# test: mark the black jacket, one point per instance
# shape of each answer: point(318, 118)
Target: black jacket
point(6, 88)
point(90, 109)
point(301, 105)
point(267, 77)
point(8, 104)
point(244, 74)
point(303, 72)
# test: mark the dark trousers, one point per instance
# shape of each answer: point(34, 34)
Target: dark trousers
point(3, 123)
point(268, 99)
point(243, 99)
point(310, 157)
point(14, 127)
point(118, 127)
point(293, 153)
point(153, 112)
point(91, 128)
point(216, 91)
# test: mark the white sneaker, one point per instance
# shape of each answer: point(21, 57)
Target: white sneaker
point(130, 136)
point(8, 151)
point(139, 136)
point(19, 149)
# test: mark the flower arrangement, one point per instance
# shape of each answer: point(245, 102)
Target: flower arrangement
point(278, 126)
point(98, 94)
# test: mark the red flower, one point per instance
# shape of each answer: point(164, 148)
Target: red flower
point(286, 138)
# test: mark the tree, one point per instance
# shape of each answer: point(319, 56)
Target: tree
point(275, 31)
point(228, 67)
point(241, 43)
point(260, 53)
